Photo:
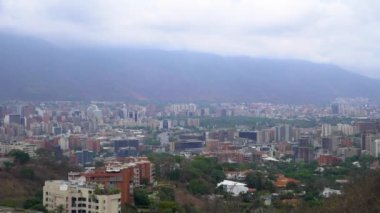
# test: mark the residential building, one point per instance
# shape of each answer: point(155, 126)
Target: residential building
point(235, 188)
point(79, 197)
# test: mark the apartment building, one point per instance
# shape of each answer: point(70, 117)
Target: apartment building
point(79, 197)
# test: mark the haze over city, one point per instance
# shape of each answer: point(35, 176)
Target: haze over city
point(343, 33)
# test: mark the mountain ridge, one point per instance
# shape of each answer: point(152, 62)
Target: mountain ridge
point(32, 69)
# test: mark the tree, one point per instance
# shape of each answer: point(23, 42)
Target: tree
point(141, 198)
point(175, 174)
point(20, 156)
point(254, 181)
point(8, 165)
point(217, 175)
point(198, 187)
point(166, 194)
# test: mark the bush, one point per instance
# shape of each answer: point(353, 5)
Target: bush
point(167, 206)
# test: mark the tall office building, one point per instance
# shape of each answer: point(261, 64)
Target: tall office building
point(326, 130)
point(375, 148)
point(304, 151)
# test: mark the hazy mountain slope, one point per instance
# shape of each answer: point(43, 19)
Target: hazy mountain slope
point(34, 69)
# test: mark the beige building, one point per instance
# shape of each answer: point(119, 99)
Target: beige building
point(79, 198)
point(31, 149)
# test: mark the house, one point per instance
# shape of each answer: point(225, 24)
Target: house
point(327, 192)
point(235, 188)
point(283, 181)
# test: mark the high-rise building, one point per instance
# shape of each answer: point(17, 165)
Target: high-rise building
point(166, 124)
point(190, 145)
point(326, 130)
point(13, 119)
point(251, 135)
point(304, 151)
point(327, 145)
point(84, 157)
point(335, 109)
point(125, 143)
point(375, 148)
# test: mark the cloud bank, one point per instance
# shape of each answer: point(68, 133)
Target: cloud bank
point(346, 33)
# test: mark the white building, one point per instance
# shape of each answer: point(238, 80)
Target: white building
point(375, 148)
point(235, 188)
point(78, 197)
point(63, 143)
point(346, 129)
point(327, 192)
point(326, 130)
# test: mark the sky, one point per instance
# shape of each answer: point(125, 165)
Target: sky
point(341, 32)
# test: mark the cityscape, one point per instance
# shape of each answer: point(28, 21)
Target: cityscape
point(191, 106)
point(119, 156)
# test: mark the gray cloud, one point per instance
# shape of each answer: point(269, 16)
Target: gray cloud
point(340, 32)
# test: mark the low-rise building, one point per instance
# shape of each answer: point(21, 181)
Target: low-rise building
point(6, 147)
point(235, 188)
point(328, 160)
point(79, 197)
point(282, 181)
point(327, 192)
point(123, 176)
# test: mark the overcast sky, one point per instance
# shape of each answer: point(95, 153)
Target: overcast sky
point(342, 32)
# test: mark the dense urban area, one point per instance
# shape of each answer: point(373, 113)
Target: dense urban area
point(63, 156)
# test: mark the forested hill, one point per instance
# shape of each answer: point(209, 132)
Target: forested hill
point(32, 69)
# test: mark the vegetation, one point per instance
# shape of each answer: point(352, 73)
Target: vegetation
point(22, 178)
point(253, 122)
point(35, 203)
point(141, 198)
point(106, 191)
point(20, 157)
point(27, 173)
point(361, 195)
point(199, 176)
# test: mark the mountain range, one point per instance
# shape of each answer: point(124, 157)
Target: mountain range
point(34, 69)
